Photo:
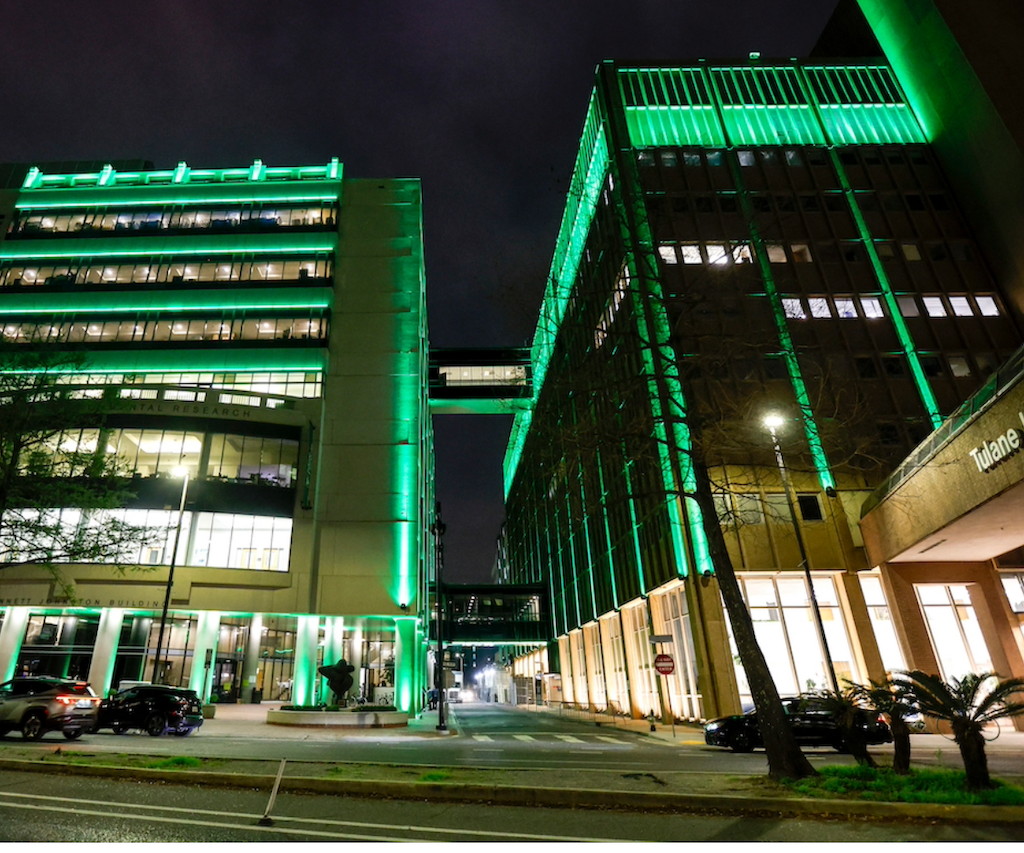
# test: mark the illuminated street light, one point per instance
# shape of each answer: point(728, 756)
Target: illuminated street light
point(183, 473)
point(774, 421)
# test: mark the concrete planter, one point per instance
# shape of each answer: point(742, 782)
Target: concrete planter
point(339, 719)
point(209, 712)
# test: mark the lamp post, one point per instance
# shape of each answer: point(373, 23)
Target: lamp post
point(438, 529)
point(183, 473)
point(773, 422)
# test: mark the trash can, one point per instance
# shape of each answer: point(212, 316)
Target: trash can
point(257, 697)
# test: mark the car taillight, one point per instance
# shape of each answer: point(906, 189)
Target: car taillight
point(68, 700)
point(880, 719)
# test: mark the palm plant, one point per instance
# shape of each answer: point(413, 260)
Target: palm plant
point(848, 709)
point(967, 707)
point(897, 701)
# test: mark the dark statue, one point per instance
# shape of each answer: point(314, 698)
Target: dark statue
point(339, 677)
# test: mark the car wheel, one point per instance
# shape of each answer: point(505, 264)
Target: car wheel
point(156, 725)
point(183, 732)
point(32, 727)
point(73, 734)
point(742, 742)
point(119, 728)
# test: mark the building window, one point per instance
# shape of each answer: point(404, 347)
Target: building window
point(669, 159)
point(810, 508)
point(717, 253)
point(845, 308)
point(934, 306)
point(910, 251)
point(776, 253)
point(793, 309)
point(820, 308)
point(668, 254)
point(645, 158)
point(959, 366)
point(908, 306)
point(871, 307)
point(691, 253)
point(746, 158)
point(961, 306)
point(987, 306)
point(1014, 587)
point(801, 253)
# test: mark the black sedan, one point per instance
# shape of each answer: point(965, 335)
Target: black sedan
point(812, 721)
point(154, 708)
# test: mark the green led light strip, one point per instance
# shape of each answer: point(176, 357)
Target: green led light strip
point(122, 302)
point(581, 202)
point(298, 360)
point(803, 400)
point(590, 555)
point(764, 105)
point(607, 530)
point(924, 388)
point(166, 199)
point(135, 247)
point(635, 527)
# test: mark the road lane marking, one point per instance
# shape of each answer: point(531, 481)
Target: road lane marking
point(568, 739)
point(60, 805)
point(524, 737)
point(485, 738)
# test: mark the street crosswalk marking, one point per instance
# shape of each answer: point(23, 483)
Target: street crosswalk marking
point(485, 738)
point(524, 737)
point(607, 739)
point(569, 738)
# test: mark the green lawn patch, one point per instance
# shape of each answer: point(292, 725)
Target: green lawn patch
point(945, 787)
point(179, 762)
point(436, 776)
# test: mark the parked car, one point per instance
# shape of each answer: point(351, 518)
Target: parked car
point(812, 722)
point(36, 706)
point(154, 708)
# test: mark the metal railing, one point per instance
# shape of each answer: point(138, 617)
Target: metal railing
point(1006, 377)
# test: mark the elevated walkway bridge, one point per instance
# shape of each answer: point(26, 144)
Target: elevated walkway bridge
point(480, 381)
point(494, 615)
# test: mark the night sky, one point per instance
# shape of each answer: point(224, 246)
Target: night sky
point(484, 101)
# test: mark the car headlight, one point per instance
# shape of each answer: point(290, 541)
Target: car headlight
point(712, 727)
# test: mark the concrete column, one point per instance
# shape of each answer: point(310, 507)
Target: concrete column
point(716, 670)
point(406, 698)
point(334, 650)
point(865, 646)
point(104, 652)
point(251, 662)
point(355, 650)
point(12, 632)
point(307, 636)
point(201, 679)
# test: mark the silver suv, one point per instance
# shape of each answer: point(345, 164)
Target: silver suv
point(35, 706)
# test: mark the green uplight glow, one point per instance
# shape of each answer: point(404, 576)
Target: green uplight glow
point(121, 302)
point(179, 245)
point(201, 361)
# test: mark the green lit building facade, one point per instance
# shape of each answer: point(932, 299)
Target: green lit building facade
point(264, 329)
point(739, 239)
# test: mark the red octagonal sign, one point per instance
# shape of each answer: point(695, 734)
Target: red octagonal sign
point(664, 664)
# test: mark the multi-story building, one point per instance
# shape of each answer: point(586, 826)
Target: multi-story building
point(263, 331)
point(739, 240)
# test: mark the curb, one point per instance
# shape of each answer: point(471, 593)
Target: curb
point(550, 797)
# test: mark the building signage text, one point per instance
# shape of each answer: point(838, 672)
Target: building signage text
point(155, 408)
point(992, 453)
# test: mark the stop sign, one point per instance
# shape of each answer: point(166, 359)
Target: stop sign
point(664, 664)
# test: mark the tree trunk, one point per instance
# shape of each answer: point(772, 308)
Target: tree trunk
point(785, 759)
point(900, 745)
point(856, 744)
point(972, 751)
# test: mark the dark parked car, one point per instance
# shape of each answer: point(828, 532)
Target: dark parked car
point(812, 722)
point(36, 706)
point(154, 708)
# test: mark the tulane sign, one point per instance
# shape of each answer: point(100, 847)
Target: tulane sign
point(992, 453)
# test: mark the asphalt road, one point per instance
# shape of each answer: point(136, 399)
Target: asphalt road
point(38, 808)
point(500, 736)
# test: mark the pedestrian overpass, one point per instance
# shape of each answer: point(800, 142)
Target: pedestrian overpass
point(494, 615)
point(480, 381)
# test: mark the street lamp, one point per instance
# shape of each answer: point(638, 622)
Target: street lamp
point(183, 473)
point(773, 422)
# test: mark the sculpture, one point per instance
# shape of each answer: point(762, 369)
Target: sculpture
point(339, 677)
